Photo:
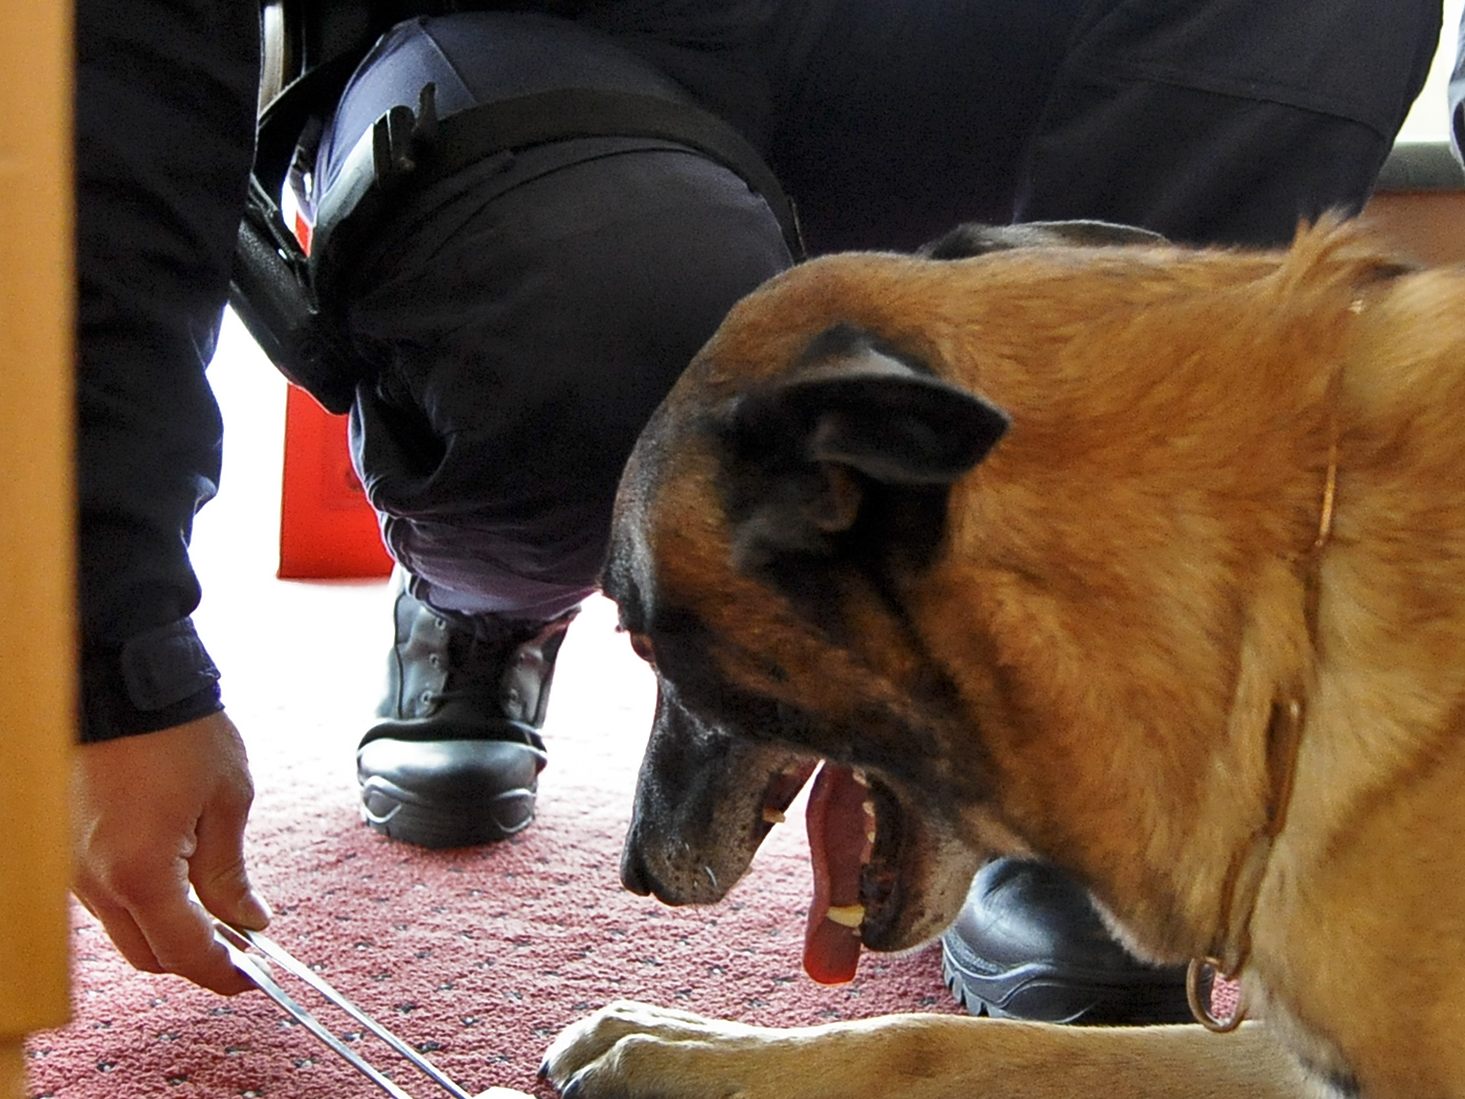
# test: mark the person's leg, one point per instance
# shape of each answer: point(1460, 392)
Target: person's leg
point(1214, 121)
point(523, 321)
point(1457, 96)
point(907, 121)
point(1208, 120)
point(903, 120)
point(1226, 121)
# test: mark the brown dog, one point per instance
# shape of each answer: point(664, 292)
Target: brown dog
point(1147, 561)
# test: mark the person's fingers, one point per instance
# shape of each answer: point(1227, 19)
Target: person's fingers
point(129, 940)
point(180, 935)
point(177, 934)
point(144, 809)
point(187, 947)
point(217, 868)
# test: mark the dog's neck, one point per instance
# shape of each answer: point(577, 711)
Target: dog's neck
point(1232, 943)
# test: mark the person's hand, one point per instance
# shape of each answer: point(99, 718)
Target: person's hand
point(152, 814)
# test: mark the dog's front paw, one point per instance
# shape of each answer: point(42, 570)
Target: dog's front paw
point(630, 1050)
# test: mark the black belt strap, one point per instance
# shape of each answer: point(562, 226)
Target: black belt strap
point(404, 150)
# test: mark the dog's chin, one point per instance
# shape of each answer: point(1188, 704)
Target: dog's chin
point(916, 879)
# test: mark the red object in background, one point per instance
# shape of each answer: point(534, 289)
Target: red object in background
point(328, 531)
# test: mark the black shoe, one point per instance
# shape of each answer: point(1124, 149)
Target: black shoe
point(457, 760)
point(1029, 945)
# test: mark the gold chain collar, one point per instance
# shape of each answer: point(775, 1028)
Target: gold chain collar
point(1284, 738)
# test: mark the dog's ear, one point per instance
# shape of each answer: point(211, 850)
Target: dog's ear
point(810, 449)
point(878, 418)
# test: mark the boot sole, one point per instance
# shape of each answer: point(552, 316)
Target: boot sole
point(1040, 993)
point(401, 815)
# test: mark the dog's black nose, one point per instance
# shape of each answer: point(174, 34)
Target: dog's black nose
point(634, 875)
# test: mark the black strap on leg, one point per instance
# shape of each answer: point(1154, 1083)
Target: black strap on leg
point(270, 290)
point(404, 149)
point(279, 290)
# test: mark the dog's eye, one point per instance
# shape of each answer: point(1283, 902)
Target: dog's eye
point(642, 647)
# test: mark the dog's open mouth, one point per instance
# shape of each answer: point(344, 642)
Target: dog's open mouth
point(853, 843)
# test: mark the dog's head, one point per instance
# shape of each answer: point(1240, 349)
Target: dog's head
point(831, 549)
point(758, 557)
point(770, 532)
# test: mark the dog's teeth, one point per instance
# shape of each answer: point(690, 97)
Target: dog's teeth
point(868, 805)
point(860, 776)
point(847, 915)
point(870, 835)
point(772, 815)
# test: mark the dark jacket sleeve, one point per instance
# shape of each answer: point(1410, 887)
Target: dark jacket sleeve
point(165, 99)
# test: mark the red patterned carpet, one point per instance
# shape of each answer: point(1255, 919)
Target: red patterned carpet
point(478, 957)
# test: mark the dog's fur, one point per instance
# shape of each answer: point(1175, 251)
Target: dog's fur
point(1071, 640)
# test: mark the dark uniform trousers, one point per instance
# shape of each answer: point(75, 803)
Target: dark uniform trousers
point(518, 322)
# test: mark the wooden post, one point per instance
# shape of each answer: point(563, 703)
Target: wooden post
point(37, 704)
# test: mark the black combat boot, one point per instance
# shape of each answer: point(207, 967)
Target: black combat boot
point(1029, 945)
point(457, 759)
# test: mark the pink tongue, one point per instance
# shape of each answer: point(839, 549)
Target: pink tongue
point(837, 847)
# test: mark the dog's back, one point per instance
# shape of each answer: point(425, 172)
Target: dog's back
point(1189, 622)
point(1174, 417)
